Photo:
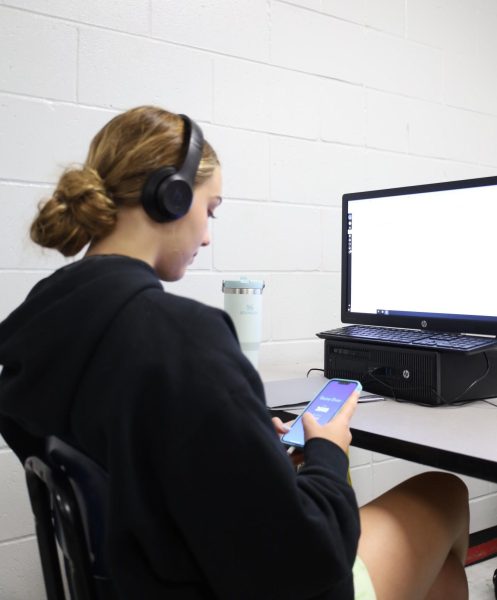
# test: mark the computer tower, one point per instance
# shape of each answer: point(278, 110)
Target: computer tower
point(422, 376)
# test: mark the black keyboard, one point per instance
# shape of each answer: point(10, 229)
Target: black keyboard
point(411, 337)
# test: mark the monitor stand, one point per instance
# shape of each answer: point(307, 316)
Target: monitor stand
point(429, 377)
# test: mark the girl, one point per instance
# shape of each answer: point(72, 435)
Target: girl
point(204, 501)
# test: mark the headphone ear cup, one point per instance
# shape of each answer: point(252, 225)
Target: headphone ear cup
point(166, 196)
point(174, 197)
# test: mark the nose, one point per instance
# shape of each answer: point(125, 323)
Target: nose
point(206, 240)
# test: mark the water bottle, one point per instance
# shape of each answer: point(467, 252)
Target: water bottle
point(243, 302)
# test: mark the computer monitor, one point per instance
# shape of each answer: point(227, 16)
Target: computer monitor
point(422, 257)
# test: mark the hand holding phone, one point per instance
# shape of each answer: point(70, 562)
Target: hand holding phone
point(323, 408)
point(337, 430)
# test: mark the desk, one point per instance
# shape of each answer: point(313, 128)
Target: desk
point(462, 439)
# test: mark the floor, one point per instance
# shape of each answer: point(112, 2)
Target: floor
point(480, 580)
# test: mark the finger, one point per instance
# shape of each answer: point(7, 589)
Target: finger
point(309, 421)
point(279, 425)
point(350, 405)
point(308, 416)
point(311, 426)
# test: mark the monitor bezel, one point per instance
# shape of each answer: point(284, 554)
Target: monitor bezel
point(428, 322)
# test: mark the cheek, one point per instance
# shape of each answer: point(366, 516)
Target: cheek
point(201, 224)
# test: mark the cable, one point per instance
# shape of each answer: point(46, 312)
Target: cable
point(310, 370)
point(487, 370)
point(371, 373)
point(491, 403)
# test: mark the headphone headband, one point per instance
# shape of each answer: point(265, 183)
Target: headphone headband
point(194, 142)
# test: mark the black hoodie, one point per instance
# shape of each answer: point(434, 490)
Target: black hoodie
point(204, 502)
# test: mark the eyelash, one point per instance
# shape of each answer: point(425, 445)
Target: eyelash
point(211, 215)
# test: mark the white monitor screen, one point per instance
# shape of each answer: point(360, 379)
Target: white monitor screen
point(423, 253)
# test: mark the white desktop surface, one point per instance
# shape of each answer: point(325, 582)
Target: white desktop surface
point(468, 429)
point(460, 438)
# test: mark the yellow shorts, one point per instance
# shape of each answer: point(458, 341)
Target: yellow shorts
point(363, 586)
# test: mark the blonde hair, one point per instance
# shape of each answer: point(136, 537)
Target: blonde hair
point(85, 202)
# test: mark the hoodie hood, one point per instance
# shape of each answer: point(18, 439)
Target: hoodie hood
point(48, 340)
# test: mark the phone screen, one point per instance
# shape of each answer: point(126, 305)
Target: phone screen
point(324, 407)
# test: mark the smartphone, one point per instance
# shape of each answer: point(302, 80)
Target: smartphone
point(328, 401)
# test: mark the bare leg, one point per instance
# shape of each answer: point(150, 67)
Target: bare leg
point(415, 538)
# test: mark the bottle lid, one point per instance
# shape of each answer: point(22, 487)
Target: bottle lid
point(243, 283)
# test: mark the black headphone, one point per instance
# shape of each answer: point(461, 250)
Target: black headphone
point(168, 192)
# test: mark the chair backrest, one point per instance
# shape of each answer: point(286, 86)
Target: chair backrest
point(68, 494)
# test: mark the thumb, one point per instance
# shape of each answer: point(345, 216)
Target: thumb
point(349, 407)
point(309, 422)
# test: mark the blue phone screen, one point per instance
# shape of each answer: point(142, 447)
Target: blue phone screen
point(324, 407)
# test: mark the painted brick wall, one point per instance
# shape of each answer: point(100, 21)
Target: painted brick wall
point(303, 100)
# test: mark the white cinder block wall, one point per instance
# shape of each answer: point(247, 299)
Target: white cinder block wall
point(303, 100)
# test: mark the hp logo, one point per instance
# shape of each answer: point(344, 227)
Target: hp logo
point(424, 324)
point(406, 374)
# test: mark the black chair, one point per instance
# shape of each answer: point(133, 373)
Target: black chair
point(68, 495)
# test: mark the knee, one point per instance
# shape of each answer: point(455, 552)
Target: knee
point(458, 495)
point(456, 486)
point(450, 484)
point(447, 491)
point(443, 487)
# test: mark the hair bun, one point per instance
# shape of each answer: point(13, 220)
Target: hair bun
point(78, 185)
point(79, 211)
